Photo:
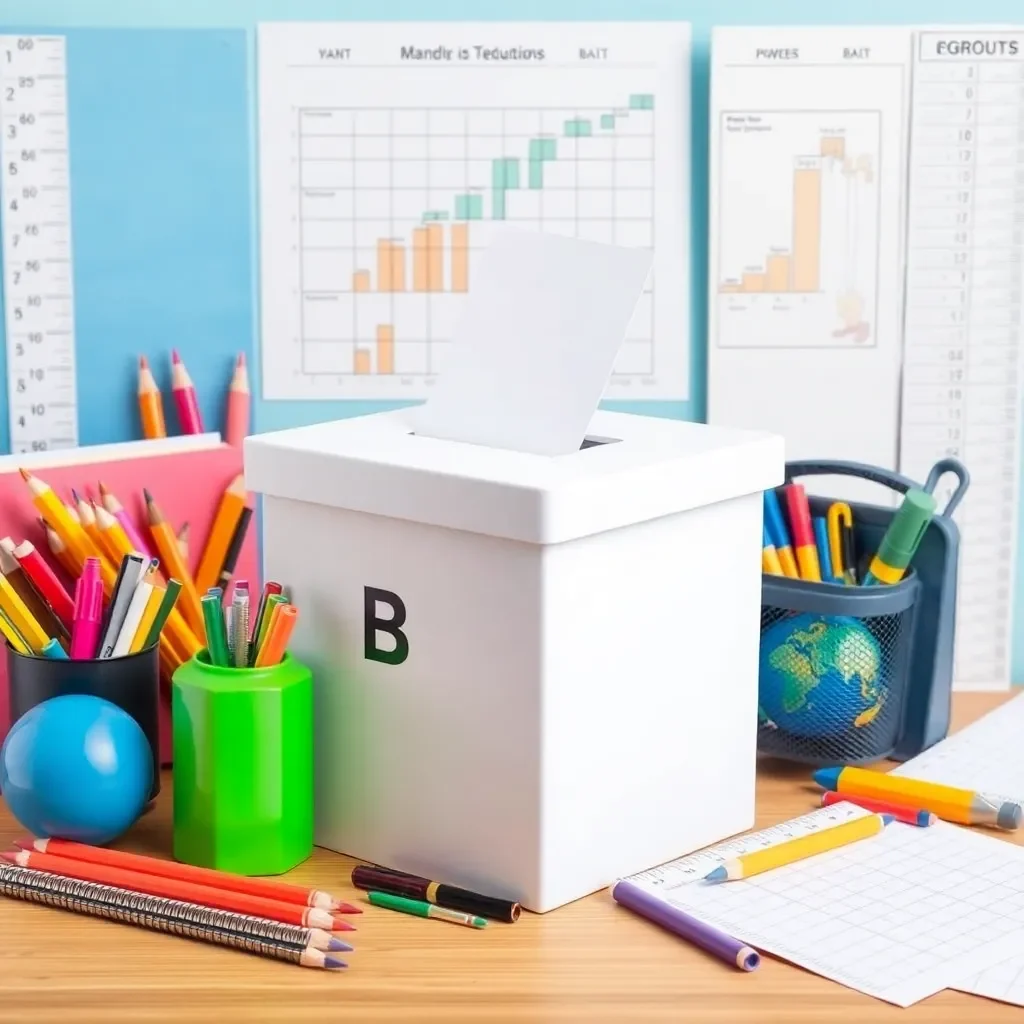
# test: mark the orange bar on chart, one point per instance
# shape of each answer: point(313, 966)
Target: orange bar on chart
point(397, 268)
point(435, 258)
point(777, 273)
point(385, 348)
point(361, 281)
point(361, 361)
point(419, 259)
point(753, 282)
point(460, 257)
point(390, 266)
point(729, 288)
point(833, 145)
point(806, 229)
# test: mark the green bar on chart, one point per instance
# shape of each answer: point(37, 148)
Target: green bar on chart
point(469, 207)
point(435, 215)
point(511, 172)
point(578, 127)
point(641, 101)
point(607, 120)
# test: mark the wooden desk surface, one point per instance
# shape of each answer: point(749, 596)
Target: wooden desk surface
point(590, 961)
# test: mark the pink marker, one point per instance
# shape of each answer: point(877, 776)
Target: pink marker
point(85, 627)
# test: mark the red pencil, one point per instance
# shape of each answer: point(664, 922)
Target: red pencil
point(185, 398)
point(45, 581)
point(268, 888)
point(236, 418)
point(910, 815)
point(175, 889)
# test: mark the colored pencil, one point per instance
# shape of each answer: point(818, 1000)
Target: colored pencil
point(419, 908)
point(398, 883)
point(151, 404)
point(52, 509)
point(25, 587)
point(176, 889)
point(306, 947)
point(182, 537)
point(235, 547)
point(59, 549)
point(274, 601)
point(44, 580)
point(908, 815)
point(21, 618)
point(216, 634)
point(111, 503)
point(156, 597)
point(276, 641)
point(748, 864)
point(164, 611)
point(232, 502)
point(268, 888)
point(269, 588)
point(12, 636)
point(236, 419)
point(86, 516)
point(170, 557)
point(185, 399)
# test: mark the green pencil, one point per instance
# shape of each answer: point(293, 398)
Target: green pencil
point(420, 909)
point(173, 587)
point(216, 636)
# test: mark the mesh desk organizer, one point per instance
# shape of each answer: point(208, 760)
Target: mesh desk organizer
point(913, 623)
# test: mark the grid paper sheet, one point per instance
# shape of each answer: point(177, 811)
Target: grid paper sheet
point(987, 756)
point(896, 916)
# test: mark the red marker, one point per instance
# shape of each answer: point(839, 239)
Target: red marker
point(910, 815)
point(185, 398)
point(804, 547)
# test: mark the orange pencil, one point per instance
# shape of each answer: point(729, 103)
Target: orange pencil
point(60, 551)
point(223, 529)
point(87, 517)
point(174, 564)
point(174, 889)
point(278, 634)
point(183, 540)
point(151, 404)
point(268, 888)
point(236, 417)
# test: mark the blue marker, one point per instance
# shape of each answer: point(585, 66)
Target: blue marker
point(775, 523)
point(53, 649)
point(824, 554)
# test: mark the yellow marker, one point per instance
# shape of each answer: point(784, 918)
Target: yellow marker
point(21, 618)
point(840, 542)
point(13, 637)
point(748, 864)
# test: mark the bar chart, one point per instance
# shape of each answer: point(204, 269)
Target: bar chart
point(384, 208)
point(819, 255)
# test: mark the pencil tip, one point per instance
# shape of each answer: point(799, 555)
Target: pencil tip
point(333, 963)
point(143, 363)
point(147, 496)
point(74, 495)
point(25, 474)
point(240, 361)
point(103, 489)
point(175, 358)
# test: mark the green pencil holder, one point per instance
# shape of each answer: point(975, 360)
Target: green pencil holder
point(243, 766)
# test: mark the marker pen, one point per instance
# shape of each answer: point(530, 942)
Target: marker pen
point(803, 533)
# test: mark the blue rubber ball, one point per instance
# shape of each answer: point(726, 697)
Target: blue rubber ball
point(76, 768)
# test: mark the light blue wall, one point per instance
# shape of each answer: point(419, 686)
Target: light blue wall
point(165, 253)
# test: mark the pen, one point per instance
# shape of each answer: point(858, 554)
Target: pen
point(821, 542)
point(128, 577)
point(803, 533)
point(421, 909)
point(776, 524)
point(901, 538)
point(769, 556)
point(840, 542)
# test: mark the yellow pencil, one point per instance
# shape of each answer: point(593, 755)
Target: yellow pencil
point(13, 637)
point(21, 618)
point(748, 864)
point(148, 616)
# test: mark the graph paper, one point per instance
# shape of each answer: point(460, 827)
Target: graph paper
point(390, 154)
point(987, 756)
point(897, 916)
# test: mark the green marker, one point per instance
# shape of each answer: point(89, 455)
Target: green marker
point(901, 539)
point(421, 909)
point(216, 637)
point(170, 596)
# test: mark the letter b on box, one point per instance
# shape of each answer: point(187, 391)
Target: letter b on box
point(373, 626)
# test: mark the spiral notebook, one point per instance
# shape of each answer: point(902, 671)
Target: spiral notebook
point(897, 916)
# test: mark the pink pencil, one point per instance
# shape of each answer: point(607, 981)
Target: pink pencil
point(236, 419)
point(184, 391)
point(118, 511)
point(85, 629)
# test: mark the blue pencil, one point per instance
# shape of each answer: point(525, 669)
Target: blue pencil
point(821, 543)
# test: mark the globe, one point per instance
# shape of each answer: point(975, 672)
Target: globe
point(820, 675)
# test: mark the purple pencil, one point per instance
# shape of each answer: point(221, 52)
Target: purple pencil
point(726, 948)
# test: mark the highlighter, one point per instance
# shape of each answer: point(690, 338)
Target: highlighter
point(901, 539)
point(840, 542)
point(824, 558)
point(803, 534)
point(775, 523)
point(769, 556)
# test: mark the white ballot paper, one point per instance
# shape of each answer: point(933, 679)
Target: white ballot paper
point(536, 343)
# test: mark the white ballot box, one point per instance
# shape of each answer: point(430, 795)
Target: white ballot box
point(533, 673)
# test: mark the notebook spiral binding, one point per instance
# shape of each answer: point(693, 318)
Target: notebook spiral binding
point(175, 917)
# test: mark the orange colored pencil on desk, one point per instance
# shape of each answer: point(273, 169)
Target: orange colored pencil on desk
point(151, 404)
point(236, 418)
point(185, 399)
point(224, 523)
point(174, 564)
point(174, 889)
point(268, 888)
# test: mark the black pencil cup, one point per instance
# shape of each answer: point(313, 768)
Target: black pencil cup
point(131, 682)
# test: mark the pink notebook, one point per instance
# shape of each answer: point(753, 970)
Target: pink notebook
point(186, 476)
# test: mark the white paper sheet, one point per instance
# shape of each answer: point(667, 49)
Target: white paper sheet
point(536, 343)
point(895, 916)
